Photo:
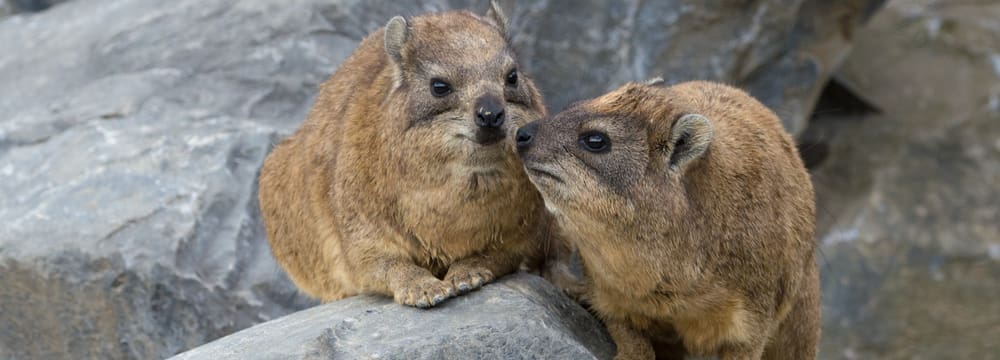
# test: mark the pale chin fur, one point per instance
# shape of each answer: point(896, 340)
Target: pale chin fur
point(552, 209)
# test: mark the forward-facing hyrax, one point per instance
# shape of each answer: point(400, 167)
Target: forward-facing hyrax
point(693, 215)
point(404, 180)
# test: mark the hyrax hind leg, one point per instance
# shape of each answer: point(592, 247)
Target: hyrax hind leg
point(415, 286)
point(472, 272)
point(469, 274)
point(798, 335)
point(630, 344)
point(475, 271)
point(380, 265)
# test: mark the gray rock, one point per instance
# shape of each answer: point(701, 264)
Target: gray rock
point(908, 199)
point(782, 51)
point(131, 133)
point(519, 317)
point(129, 147)
point(8, 7)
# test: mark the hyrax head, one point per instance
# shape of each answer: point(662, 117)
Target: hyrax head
point(616, 155)
point(457, 88)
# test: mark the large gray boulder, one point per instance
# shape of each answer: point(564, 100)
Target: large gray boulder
point(518, 317)
point(909, 199)
point(782, 51)
point(10, 7)
point(31, 5)
point(131, 133)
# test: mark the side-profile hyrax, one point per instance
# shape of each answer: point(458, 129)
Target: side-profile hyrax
point(694, 218)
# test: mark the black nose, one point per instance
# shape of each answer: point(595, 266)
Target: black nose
point(525, 135)
point(489, 112)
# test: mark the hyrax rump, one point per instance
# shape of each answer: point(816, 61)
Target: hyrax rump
point(693, 216)
point(403, 180)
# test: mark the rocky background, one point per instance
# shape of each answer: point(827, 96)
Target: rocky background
point(909, 195)
point(131, 133)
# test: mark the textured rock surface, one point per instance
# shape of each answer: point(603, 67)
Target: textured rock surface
point(519, 317)
point(782, 51)
point(131, 136)
point(131, 133)
point(910, 199)
point(8, 7)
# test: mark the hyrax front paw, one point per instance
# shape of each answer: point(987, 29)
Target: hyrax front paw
point(424, 293)
point(468, 278)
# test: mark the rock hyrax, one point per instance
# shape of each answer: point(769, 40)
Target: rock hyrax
point(404, 180)
point(693, 215)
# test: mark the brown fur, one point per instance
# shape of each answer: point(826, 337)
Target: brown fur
point(702, 246)
point(385, 189)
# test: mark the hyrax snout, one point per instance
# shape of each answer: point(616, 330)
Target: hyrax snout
point(693, 216)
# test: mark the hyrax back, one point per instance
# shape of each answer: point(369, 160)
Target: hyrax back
point(403, 174)
point(693, 215)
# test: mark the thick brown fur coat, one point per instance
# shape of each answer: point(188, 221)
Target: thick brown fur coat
point(693, 215)
point(388, 188)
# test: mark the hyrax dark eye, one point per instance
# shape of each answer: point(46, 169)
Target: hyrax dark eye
point(595, 141)
point(440, 88)
point(512, 78)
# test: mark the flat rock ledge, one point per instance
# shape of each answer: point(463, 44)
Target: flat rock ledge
point(519, 317)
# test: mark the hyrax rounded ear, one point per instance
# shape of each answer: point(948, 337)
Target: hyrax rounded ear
point(657, 81)
point(396, 33)
point(689, 139)
point(497, 16)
